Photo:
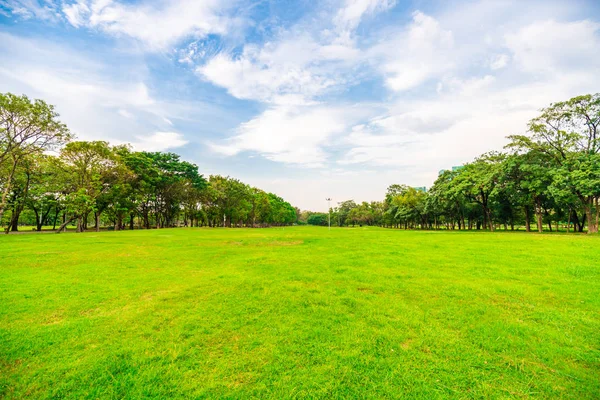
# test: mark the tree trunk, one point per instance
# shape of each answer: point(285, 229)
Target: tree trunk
point(538, 214)
point(489, 218)
point(592, 216)
point(38, 221)
point(56, 211)
point(65, 223)
point(527, 220)
point(575, 221)
point(14, 221)
point(597, 214)
point(582, 223)
point(8, 184)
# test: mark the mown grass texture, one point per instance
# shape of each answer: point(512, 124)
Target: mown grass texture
point(299, 312)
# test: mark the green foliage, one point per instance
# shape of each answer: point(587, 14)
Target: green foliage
point(549, 176)
point(318, 219)
point(26, 129)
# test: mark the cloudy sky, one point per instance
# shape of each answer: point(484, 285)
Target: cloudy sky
point(308, 99)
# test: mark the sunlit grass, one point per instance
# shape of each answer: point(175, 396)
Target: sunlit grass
point(299, 312)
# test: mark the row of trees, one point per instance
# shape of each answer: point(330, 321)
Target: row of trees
point(549, 177)
point(93, 183)
point(348, 213)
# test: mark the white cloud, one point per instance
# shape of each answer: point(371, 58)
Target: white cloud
point(299, 64)
point(295, 69)
point(467, 119)
point(470, 115)
point(95, 103)
point(499, 61)
point(550, 46)
point(423, 51)
point(291, 134)
point(470, 86)
point(76, 13)
point(26, 9)
point(350, 15)
point(430, 130)
point(160, 27)
point(156, 25)
point(124, 113)
point(159, 141)
point(263, 75)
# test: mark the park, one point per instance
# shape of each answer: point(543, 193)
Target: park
point(267, 199)
point(299, 312)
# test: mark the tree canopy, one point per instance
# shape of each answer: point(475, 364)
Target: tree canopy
point(93, 184)
point(549, 176)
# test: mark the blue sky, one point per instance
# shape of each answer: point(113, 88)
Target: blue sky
point(307, 99)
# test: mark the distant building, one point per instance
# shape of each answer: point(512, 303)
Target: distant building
point(420, 189)
point(454, 169)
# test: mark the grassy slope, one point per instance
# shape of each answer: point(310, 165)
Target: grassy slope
point(299, 312)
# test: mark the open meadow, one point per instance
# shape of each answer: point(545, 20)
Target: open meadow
point(299, 312)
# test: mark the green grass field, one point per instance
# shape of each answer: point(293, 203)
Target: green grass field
point(299, 312)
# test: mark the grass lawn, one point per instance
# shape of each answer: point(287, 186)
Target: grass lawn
point(299, 312)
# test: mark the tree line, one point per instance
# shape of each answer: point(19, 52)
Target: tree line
point(543, 180)
point(48, 178)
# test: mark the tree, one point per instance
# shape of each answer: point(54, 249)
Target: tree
point(35, 187)
point(343, 210)
point(567, 132)
point(173, 179)
point(446, 204)
point(20, 192)
point(319, 219)
point(86, 167)
point(477, 181)
point(25, 128)
point(142, 184)
point(261, 206)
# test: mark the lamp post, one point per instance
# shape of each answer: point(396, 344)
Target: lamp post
point(329, 211)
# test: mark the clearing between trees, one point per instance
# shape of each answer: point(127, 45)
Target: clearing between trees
point(299, 312)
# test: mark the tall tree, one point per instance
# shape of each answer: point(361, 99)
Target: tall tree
point(567, 132)
point(477, 181)
point(86, 167)
point(26, 128)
